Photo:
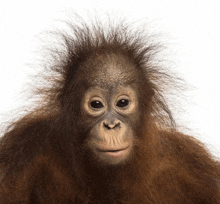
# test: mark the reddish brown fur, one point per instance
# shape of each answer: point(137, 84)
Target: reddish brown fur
point(41, 159)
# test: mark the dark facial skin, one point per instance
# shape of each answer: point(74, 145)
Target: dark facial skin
point(111, 103)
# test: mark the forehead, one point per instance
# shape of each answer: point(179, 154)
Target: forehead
point(109, 70)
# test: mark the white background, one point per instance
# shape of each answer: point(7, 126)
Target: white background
point(189, 29)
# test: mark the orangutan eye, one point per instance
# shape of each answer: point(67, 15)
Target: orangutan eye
point(122, 103)
point(96, 104)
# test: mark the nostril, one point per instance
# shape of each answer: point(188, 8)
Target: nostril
point(117, 125)
point(106, 126)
